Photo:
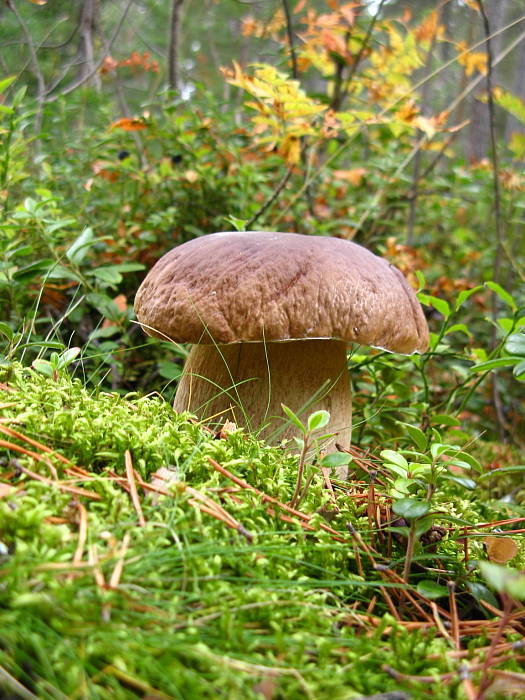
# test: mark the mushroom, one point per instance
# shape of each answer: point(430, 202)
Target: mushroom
point(270, 316)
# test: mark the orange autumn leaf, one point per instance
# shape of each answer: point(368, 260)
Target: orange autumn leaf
point(429, 27)
point(104, 169)
point(354, 176)
point(348, 12)
point(121, 303)
point(129, 124)
point(109, 64)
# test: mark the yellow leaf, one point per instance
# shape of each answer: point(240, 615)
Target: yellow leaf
point(472, 61)
point(290, 149)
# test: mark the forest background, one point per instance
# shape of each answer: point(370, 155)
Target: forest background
point(130, 126)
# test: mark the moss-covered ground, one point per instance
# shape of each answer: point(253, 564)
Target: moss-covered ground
point(142, 555)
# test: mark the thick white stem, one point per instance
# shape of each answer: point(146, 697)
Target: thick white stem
point(248, 382)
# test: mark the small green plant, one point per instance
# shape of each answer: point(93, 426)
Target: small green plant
point(56, 362)
point(309, 444)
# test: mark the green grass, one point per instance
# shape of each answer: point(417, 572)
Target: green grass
point(201, 609)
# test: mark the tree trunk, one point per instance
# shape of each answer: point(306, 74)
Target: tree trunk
point(479, 128)
point(174, 45)
point(88, 28)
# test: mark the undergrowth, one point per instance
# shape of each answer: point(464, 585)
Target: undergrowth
point(142, 555)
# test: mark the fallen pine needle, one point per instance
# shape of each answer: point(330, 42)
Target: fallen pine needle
point(133, 488)
point(119, 566)
point(82, 534)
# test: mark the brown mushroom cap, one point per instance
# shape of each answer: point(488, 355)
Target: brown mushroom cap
point(262, 286)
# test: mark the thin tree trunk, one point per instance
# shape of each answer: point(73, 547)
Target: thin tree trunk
point(174, 45)
point(41, 86)
point(88, 28)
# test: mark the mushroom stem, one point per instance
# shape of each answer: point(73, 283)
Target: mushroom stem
point(248, 382)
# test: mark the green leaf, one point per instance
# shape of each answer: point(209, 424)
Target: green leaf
point(318, 420)
point(410, 508)
point(497, 363)
point(59, 272)
point(294, 419)
point(6, 82)
point(519, 371)
point(432, 590)
point(78, 250)
point(336, 459)
point(43, 366)
point(169, 370)
point(480, 592)
point(401, 471)
point(67, 357)
point(417, 436)
point(394, 458)
point(510, 102)
point(463, 481)
point(444, 419)
point(503, 295)
point(465, 294)
point(517, 145)
point(439, 304)
point(108, 275)
point(515, 344)
point(438, 448)
point(103, 332)
point(459, 327)
point(238, 224)
point(29, 272)
point(504, 579)
point(516, 468)
point(6, 330)
point(466, 457)
point(421, 279)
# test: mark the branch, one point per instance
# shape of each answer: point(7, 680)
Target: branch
point(77, 83)
point(271, 199)
point(289, 32)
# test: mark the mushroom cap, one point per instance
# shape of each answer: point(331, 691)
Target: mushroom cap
point(261, 286)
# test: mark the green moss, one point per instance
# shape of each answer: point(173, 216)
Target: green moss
point(201, 611)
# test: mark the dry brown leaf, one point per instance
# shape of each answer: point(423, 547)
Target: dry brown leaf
point(500, 549)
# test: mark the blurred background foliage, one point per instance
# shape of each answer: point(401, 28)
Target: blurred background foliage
point(130, 126)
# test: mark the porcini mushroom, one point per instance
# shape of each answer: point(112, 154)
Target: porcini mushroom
point(270, 316)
